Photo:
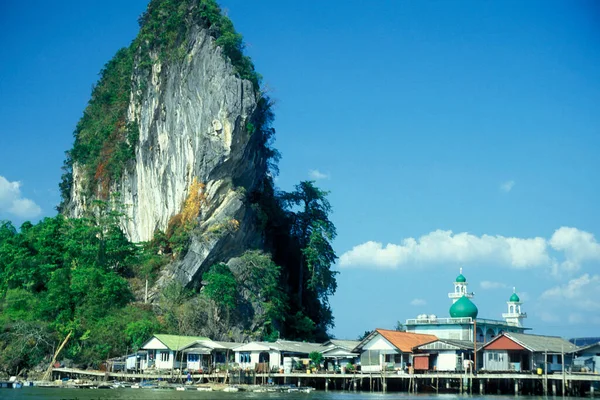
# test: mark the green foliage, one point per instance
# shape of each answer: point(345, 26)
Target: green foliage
point(261, 277)
point(68, 275)
point(312, 233)
point(221, 286)
point(316, 358)
point(363, 336)
point(104, 141)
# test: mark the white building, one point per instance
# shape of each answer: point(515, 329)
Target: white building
point(195, 353)
point(386, 350)
point(463, 321)
point(249, 355)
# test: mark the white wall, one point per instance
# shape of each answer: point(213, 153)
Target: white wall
point(154, 344)
point(168, 364)
point(456, 332)
point(446, 360)
point(378, 342)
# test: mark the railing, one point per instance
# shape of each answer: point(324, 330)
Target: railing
point(440, 321)
point(436, 321)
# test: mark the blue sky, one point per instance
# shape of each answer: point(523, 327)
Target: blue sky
point(449, 133)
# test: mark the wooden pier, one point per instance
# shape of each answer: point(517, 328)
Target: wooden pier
point(584, 385)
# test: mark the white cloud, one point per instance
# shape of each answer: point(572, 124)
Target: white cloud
point(564, 252)
point(445, 247)
point(317, 175)
point(13, 203)
point(579, 293)
point(507, 186)
point(418, 302)
point(492, 285)
point(578, 247)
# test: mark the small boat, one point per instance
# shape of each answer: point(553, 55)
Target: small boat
point(204, 389)
point(231, 389)
point(135, 386)
point(181, 388)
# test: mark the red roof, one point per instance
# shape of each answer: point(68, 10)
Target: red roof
point(406, 341)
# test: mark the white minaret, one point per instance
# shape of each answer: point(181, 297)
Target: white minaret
point(460, 288)
point(514, 316)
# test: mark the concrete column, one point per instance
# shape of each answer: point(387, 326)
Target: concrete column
point(480, 387)
point(516, 387)
point(326, 384)
point(553, 388)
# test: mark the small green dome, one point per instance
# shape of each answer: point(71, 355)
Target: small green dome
point(463, 308)
point(461, 278)
point(514, 298)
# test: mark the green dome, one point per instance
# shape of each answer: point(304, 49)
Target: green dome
point(461, 278)
point(514, 298)
point(463, 308)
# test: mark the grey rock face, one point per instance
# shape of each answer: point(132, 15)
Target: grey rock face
point(192, 119)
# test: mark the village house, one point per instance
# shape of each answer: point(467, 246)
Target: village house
point(445, 355)
point(195, 353)
point(275, 355)
point(524, 352)
point(587, 359)
point(339, 353)
point(385, 350)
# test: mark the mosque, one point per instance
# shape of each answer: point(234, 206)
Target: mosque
point(463, 319)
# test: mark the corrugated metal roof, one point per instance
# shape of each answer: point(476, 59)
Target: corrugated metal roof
point(229, 345)
point(539, 343)
point(449, 344)
point(345, 344)
point(583, 349)
point(175, 342)
point(297, 347)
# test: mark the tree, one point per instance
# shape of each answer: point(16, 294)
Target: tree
point(261, 277)
point(222, 288)
point(400, 327)
point(308, 210)
point(316, 358)
point(363, 336)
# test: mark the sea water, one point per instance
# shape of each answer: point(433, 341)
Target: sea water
point(34, 393)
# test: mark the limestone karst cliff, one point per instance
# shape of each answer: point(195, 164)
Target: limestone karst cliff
point(176, 142)
point(195, 117)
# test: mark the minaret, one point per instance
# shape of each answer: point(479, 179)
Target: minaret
point(460, 288)
point(514, 316)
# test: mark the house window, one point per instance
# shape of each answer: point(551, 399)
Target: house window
point(244, 357)
point(164, 357)
point(193, 357)
point(397, 358)
point(388, 358)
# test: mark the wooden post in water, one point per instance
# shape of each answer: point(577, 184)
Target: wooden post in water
point(562, 352)
point(481, 387)
point(516, 387)
point(553, 388)
point(546, 373)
